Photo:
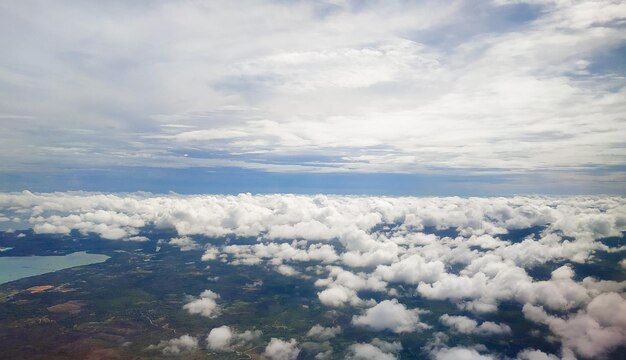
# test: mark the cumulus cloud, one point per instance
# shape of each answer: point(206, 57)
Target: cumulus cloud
point(205, 305)
point(592, 331)
point(342, 287)
point(390, 315)
point(318, 332)
point(177, 346)
point(295, 251)
point(459, 353)
point(278, 349)
point(225, 338)
point(287, 270)
point(350, 246)
point(185, 243)
point(465, 325)
point(210, 253)
point(349, 219)
point(219, 338)
point(411, 269)
point(376, 350)
point(491, 282)
point(338, 296)
point(531, 354)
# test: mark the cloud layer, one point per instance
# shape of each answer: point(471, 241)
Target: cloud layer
point(467, 251)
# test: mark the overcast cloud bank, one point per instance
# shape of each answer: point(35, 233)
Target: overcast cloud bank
point(506, 87)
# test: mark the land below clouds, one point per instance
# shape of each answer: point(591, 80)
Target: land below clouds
point(394, 277)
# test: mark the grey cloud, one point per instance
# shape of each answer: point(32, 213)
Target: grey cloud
point(493, 91)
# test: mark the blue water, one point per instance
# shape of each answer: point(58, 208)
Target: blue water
point(18, 267)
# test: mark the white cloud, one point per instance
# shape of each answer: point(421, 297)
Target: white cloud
point(205, 305)
point(324, 355)
point(390, 315)
point(247, 337)
point(591, 332)
point(177, 346)
point(466, 325)
point(347, 219)
point(338, 296)
point(225, 338)
point(531, 354)
point(318, 332)
point(411, 270)
point(210, 253)
point(350, 280)
point(278, 349)
point(185, 243)
point(483, 96)
point(219, 338)
point(287, 270)
point(561, 292)
point(501, 281)
point(459, 353)
point(363, 244)
point(376, 350)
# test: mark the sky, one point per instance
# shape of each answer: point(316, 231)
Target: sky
point(346, 97)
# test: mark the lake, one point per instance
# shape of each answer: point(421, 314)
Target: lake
point(18, 267)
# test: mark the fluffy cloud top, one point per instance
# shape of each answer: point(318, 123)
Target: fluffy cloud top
point(177, 346)
point(465, 325)
point(185, 243)
point(460, 353)
point(531, 354)
point(376, 350)
point(338, 296)
point(347, 246)
point(390, 315)
point(225, 338)
point(592, 331)
point(219, 338)
point(318, 332)
point(348, 219)
point(205, 305)
point(278, 349)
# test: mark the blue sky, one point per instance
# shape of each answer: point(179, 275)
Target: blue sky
point(364, 97)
